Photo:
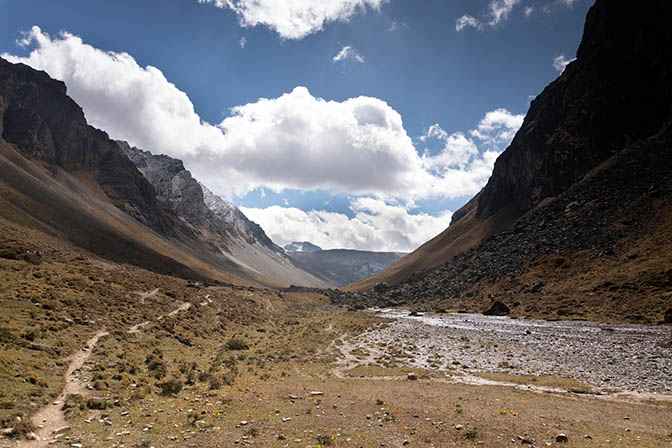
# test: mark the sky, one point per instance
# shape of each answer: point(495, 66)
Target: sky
point(360, 124)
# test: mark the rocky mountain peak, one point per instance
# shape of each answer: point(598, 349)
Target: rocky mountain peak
point(302, 246)
point(618, 91)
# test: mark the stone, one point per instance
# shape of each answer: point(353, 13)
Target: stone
point(668, 316)
point(561, 438)
point(497, 308)
point(412, 376)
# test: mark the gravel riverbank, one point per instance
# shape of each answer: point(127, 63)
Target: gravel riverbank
point(628, 358)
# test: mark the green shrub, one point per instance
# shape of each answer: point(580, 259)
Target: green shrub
point(323, 440)
point(236, 344)
point(5, 336)
point(171, 387)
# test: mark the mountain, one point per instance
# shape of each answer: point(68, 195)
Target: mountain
point(575, 219)
point(218, 222)
point(342, 266)
point(304, 246)
point(64, 181)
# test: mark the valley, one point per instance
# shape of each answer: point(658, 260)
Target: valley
point(189, 364)
point(141, 308)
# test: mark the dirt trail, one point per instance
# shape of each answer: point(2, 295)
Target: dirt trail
point(50, 419)
point(146, 295)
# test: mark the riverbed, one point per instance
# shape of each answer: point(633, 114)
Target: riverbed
point(610, 358)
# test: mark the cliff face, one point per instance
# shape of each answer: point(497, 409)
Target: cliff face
point(219, 224)
point(584, 187)
point(618, 91)
point(44, 124)
point(176, 188)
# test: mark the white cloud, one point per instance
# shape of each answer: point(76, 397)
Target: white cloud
point(295, 19)
point(377, 225)
point(560, 62)
point(348, 53)
point(295, 141)
point(499, 11)
point(465, 21)
point(498, 127)
point(242, 42)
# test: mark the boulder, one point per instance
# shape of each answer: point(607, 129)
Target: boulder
point(497, 309)
point(668, 316)
point(381, 288)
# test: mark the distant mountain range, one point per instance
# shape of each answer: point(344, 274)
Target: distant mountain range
point(304, 246)
point(341, 266)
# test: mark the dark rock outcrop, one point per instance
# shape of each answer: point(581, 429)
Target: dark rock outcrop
point(668, 316)
point(618, 91)
point(44, 124)
point(579, 185)
point(497, 308)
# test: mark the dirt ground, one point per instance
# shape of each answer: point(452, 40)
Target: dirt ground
point(95, 354)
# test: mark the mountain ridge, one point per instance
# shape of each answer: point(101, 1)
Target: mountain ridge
point(576, 219)
point(616, 92)
point(225, 229)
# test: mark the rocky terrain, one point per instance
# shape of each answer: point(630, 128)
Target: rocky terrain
point(576, 218)
point(473, 344)
point(342, 266)
point(598, 233)
point(614, 96)
point(219, 223)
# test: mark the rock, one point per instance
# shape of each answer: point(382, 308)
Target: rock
point(561, 438)
point(381, 288)
point(412, 376)
point(668, 316)
point(459, 427)
point(316, 394)
point(497, 309)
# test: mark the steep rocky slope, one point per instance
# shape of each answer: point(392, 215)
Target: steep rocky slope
point(584, 186)
point(220, 224)
point(342, 266)
point(67, 179)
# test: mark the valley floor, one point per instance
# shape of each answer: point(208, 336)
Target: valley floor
point(295, 372)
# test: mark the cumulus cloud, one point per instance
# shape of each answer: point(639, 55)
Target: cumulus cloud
point(294, 19)
point(376, 225)
point(560, 62)
point(498, 127)
point(348, 53)
point(295, 141)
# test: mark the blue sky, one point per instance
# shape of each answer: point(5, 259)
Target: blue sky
point(333, 171)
